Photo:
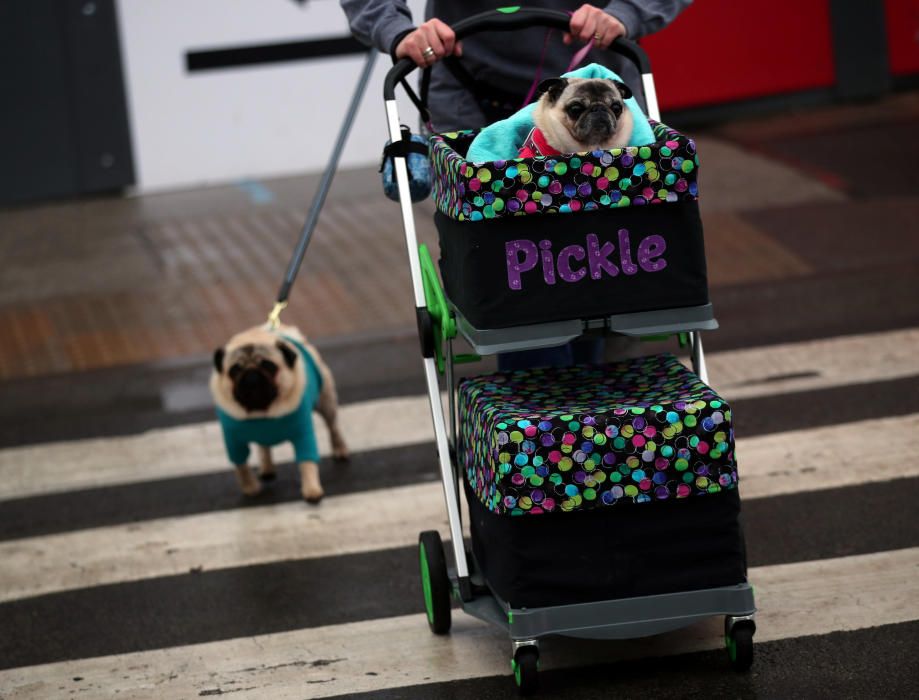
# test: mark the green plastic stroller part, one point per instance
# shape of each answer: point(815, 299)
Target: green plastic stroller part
point(441, 316)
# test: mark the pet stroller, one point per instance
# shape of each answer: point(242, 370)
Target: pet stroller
point(602, 499)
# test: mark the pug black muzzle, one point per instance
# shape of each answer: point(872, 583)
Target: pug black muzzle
point(254, 387)
point(598, 123)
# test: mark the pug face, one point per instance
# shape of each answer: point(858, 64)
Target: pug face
point(257, 374)
point(577, 114)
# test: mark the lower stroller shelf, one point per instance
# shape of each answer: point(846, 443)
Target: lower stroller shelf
point(489, 341)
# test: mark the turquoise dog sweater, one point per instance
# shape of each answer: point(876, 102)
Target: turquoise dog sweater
point(502, 140)
point(295, 427)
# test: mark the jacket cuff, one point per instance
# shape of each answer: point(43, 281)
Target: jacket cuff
point(394, 33)
point(395, 42)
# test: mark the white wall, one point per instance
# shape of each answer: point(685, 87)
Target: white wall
point(238, 123)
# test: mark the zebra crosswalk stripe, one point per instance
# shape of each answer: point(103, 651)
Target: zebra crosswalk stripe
point(794, 600)
point(793, 462)
point(385, 423)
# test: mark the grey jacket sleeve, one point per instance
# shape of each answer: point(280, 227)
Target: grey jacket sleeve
point(643, 17)
point(378, 22)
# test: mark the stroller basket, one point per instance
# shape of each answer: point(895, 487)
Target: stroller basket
point(664, 171)
point(536, 240)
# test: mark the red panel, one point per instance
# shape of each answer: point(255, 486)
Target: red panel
point(903, 36)
point(725, 50)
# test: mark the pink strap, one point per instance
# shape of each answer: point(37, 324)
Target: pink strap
point(580, 55)
point(536, 78)
point(575, 62)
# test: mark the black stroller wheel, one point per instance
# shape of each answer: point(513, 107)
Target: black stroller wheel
point(434, 581)
point(739, 642)
point(526, 669)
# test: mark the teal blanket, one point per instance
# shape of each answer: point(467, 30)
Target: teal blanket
point(502, 140)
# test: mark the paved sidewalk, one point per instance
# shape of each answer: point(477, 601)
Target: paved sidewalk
point(114, 281)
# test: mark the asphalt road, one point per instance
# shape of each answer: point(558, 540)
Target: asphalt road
point(132, 566)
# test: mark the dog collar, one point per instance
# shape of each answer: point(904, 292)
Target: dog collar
point(535, 144)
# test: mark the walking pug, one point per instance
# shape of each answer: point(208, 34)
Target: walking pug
point(266, 385)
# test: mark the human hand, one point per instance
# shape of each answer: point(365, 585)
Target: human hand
point(589, 22)
point(429, 43)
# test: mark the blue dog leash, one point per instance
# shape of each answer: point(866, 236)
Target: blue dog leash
point(274, 318)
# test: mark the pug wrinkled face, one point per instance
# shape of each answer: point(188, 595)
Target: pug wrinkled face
point(256, 375)
point(578, 114)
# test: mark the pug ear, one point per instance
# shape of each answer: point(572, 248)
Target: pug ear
point(219, 354)
point(553, 87)
point(290, 356)
point(623, 89)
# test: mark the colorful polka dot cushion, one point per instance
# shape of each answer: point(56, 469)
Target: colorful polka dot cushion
point(579, 438)
point(664, 171)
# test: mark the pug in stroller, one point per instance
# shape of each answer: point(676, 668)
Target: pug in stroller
point(576, 115)
point(266, 384)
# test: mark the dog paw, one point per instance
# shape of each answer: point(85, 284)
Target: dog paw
point(340, 453)
point(312, 494)
point(248, 484)
point(251, 489)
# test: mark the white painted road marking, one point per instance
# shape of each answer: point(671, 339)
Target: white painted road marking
point(387, 423)
point(771, 465)
point(794, 600)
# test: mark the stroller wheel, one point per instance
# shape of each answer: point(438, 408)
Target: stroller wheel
point(526, 667)
point(738, 638)
point(434, 581)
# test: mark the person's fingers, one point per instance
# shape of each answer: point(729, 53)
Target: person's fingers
point(409, 48)
point(578, 19)
point(458, 49)
point(589, 22)
point(432, 48)
point(608, 30)
point(446, 35)
point(589, 29)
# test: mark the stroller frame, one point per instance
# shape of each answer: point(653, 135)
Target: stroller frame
point(607, 619)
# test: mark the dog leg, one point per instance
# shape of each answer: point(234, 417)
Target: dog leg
point(327, 407)
point(248, 484)
point(266, 466)
point(310, 486)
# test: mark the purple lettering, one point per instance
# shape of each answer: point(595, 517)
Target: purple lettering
point(515, 265)
point(548, 270)
point(650, 248)
point(625, 253)
point(597, 257)
point(564, 263)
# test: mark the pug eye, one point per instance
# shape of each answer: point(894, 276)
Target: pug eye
point(269, 366)
point(575, 110)
point(617, 108)
point(235, 371)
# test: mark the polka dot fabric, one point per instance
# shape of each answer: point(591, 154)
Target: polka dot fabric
point(664, 171)
point(574, 439)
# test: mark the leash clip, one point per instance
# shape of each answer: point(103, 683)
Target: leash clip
point(274, 318)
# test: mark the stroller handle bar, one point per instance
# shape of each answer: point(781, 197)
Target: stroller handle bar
point(508, 19)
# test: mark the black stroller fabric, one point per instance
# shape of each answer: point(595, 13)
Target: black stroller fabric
point(519, 271)
point(610, 553)
point(575, 236)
